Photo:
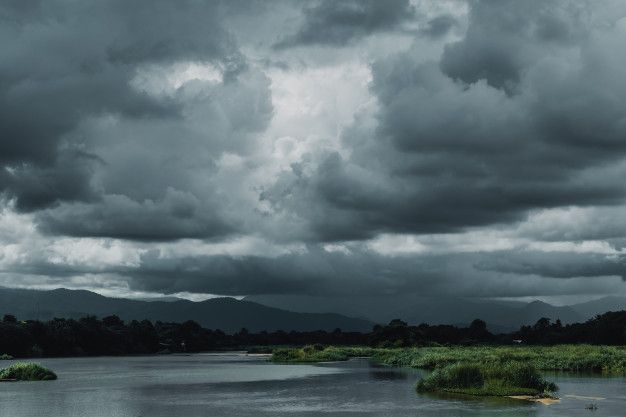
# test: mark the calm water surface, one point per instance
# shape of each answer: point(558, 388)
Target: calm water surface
point(239, 385)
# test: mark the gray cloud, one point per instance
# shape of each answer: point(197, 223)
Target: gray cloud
point(360, 271)
point(65, 66)
point(338, 22)
point(153, 122)
point(557, 264)
point(504, 37)
point(449, 154)
point(364, 272)
point(439, 26)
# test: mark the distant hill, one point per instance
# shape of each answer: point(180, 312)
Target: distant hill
point(227, 314)
point(499, 316)
point(602, 305)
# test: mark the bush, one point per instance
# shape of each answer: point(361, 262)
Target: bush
point(521, 375)
point(5, 357)
point(23, 371)
point(454, 376)
point(488, 380)
point(319, 353)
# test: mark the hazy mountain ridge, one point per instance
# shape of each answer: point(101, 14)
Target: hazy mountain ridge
point(601, 305)
point(227, 314)
point(282, 312)
point(500, 316)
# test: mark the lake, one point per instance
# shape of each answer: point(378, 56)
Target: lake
point(239, 385)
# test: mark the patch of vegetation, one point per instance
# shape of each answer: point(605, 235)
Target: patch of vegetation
point(320, 353)
point(576, 358)
point(512, 378)
point(5, 357)
point(26, 371)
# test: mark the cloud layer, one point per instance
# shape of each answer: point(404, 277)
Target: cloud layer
point(451, 147)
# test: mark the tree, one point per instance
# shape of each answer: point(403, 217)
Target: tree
point(478, 326)
point(542, 324)
point(112, 321)
point(9, 318)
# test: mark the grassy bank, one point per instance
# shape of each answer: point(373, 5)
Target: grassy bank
point(576, 358)
point(508, 379)
point(318, 353)
point(23, 371)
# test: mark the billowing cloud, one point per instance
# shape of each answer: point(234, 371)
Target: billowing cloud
point(447, 152)
point(472, 148)
point(113, 126)
point(338, 22)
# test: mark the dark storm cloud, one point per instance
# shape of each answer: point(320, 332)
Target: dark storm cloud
point(359, 271)
point(64, 65)
point(37, 186)
point(64, 61)
point(364, 272)
point(338, 22)
point(178, 214)
point(145, 121)
point(557, 264)
point(505, 36)
point(439, 26)
point(451, 152)
point(502, 273)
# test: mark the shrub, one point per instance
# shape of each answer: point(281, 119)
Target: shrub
point(23, 371)
point(454, 376)
point(488, 380)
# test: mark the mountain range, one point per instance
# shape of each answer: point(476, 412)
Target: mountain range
point(227, 314)
point(500, 316)
point(302, 313)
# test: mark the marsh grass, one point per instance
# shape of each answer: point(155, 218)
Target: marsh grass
point(319, 353)
point(26, 371)
point(576, 358)
point(573, 358)
point(512, 378)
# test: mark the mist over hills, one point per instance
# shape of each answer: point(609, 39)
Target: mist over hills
point(594, 307)
point(301, 313)
point(227, 314)
point(499, 315)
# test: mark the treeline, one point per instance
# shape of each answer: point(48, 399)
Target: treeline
point(606, 329)
point(90, 336)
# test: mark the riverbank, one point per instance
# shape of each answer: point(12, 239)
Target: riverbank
point(574, 358)
point(231, 385)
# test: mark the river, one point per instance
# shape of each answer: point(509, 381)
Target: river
point(239, 385)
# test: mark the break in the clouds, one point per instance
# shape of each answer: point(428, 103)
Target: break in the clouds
point(472, 148)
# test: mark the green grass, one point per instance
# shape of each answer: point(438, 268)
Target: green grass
point(576, 358)
point(477, 370)
point(513, 378)
point(318, 353)
point(26, 371)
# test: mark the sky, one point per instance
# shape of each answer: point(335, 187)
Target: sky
point(472, 148)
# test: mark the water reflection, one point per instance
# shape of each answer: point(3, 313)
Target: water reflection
point(388, 375)
point(238, 385)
